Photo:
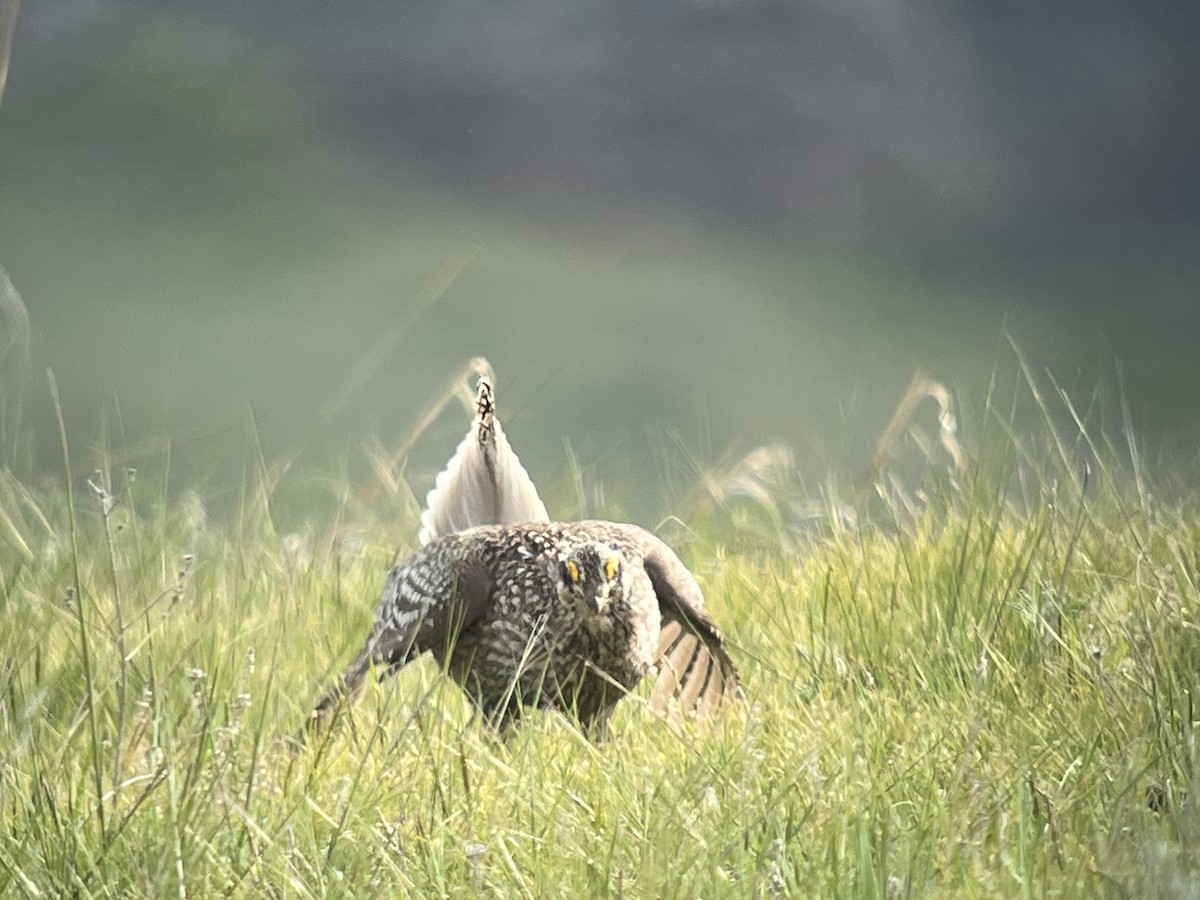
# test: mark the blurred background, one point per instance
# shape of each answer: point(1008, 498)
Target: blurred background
point(700, 224)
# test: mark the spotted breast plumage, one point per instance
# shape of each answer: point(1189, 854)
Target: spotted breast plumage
point(569, 616)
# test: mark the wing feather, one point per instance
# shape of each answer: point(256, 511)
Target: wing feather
point(673, 665)
point(427, 600)
point(669, 635)
point(696, 679)
point(696, 673)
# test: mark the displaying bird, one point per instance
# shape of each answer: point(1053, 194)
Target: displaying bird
point(562, 615)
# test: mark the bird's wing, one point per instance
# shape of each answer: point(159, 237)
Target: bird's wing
point(424, 606)
point(695, 672)
point(484, 482)
point(427, 601)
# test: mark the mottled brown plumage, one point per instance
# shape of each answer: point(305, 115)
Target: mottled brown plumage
point(569, 616)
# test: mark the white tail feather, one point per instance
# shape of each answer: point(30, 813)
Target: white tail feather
point(484, 482)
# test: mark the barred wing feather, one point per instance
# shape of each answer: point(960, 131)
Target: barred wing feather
point(695, 672)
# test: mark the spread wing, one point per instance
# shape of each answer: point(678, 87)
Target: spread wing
point(484, 482)
point(695, 672)
point(428, 599)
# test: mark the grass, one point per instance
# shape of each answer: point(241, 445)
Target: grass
point(979, 686)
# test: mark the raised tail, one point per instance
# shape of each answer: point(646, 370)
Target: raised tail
point(484, 482)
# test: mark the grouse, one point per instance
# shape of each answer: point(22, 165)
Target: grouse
point(563, 615)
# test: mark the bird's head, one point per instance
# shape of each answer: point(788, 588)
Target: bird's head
point(590, 576)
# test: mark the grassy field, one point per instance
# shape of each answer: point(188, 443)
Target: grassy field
point(978, 683)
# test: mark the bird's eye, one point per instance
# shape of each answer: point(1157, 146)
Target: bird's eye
point(572, 571)
point(610, 568)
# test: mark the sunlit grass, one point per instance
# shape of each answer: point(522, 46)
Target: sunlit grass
point(981, 686)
